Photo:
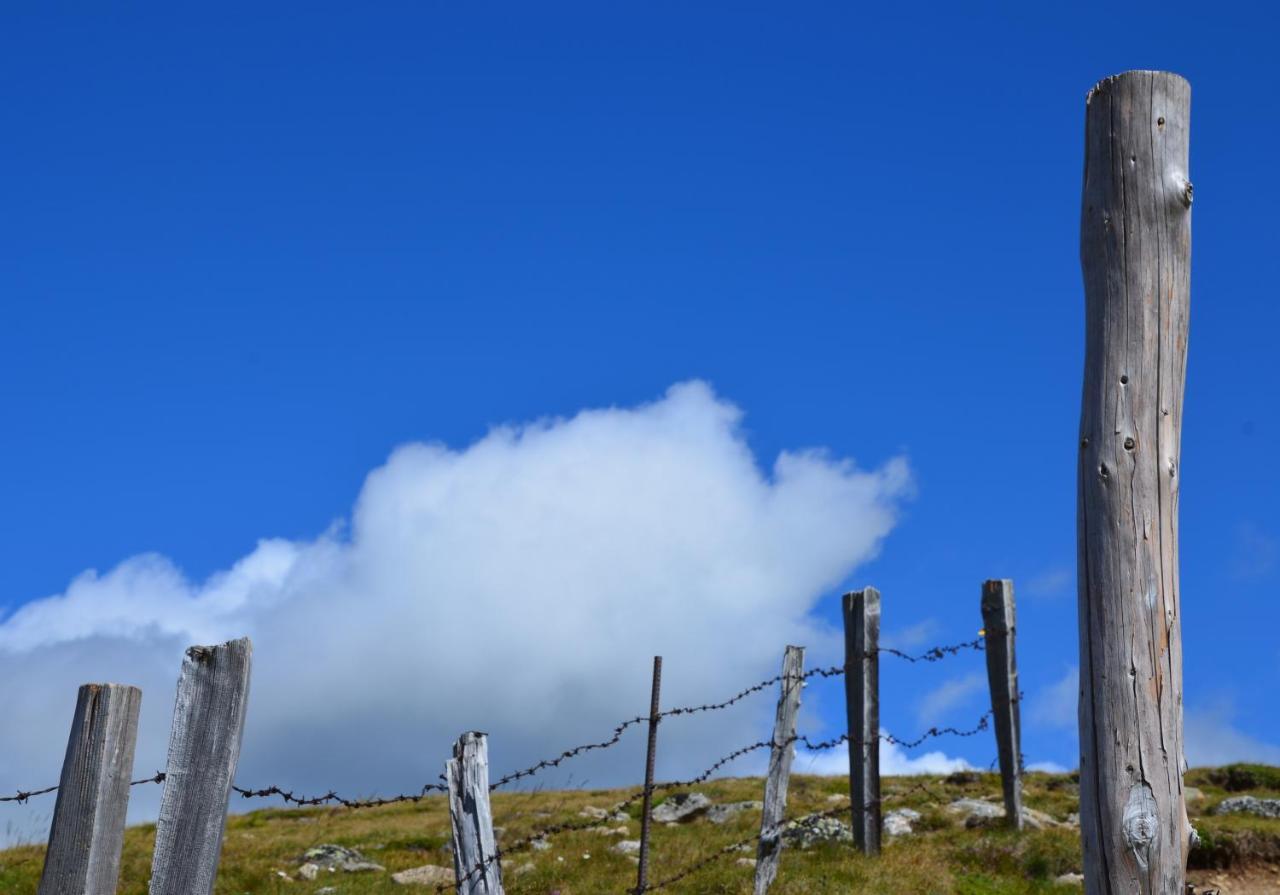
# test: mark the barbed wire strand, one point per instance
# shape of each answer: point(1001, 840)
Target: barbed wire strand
point(577, 826)
point(933, 654)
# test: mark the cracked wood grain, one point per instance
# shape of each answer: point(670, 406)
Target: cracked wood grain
point(769, 849)
point(204, 749)
point(1135, 248)
point(83, 857)
point(475, 862)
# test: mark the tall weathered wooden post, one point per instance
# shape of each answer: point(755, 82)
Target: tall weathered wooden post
point(1135, 248)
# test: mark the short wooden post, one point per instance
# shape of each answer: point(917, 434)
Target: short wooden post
point(999, 623)
point(1135, 252)
point(475, 861)
point(769, 850)
point(93, 795)
point(204, 749)
point(862, 703)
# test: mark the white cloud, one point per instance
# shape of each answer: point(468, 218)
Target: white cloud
point(1056, 705)
point(948, 695)
point(519, 586)
point(894, 762)
point(1048, 767)
point(1213, 739)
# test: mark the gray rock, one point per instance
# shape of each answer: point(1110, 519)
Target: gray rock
point(746, 862)
point(336, 857)
point(1249, 805)
point(806, 833)
point(681, 807)
point(308, 871)
point(593, 813)
point(1069, 879)
point(899, 821)
point(1038, 820)
point(626, 847)
point(428, 875)
point(719, 814)
point(542, 843)
point(326, 890)
point(975, 811)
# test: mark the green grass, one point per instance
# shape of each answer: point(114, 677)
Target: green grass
point(941, 858)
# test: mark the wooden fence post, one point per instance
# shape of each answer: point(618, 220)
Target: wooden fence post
point(999, 623)
point(862, 703)
point(769, 850)
point(93, 794)
point(478, 870)
point(204, 749)
point(1135, 251)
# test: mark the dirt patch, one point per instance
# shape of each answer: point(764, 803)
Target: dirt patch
point(1261, 880)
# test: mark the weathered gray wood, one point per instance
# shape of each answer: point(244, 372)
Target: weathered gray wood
point(93, 794)
point(862, 703)
point(783, 750)
point(204, 749)
point(1135, 248)
point(477, 869)
point(999, 623)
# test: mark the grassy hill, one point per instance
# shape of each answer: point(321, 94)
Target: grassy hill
point(1240, 854)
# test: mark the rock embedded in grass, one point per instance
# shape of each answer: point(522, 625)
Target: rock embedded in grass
point(806, 833)
point(719, 814)
point(427, 875)
point(898, 822)
point(332, 858)
point(978, 813)
point(681, 807)
point(1249, 805)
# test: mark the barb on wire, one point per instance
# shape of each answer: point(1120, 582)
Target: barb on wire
point(566, 754)
point(23, 795)
point(668, 713)
point(331, 796)
point(575, 826)
point(983, 723)
point(937, 653)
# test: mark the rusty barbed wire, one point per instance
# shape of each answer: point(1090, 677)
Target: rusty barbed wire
point(933, 654)
point(578, 826)
point(937, 653)
point(22, 795)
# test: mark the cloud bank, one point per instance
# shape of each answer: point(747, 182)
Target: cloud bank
point(518, 586)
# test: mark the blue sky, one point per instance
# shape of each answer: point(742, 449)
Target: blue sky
point(247, 253)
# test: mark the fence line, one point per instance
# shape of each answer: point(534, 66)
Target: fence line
point(209, 713)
